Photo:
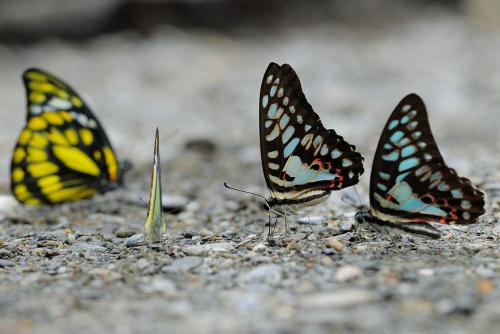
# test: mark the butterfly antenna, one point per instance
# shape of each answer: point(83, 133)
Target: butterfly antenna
point(249, 192)
point(359, 197)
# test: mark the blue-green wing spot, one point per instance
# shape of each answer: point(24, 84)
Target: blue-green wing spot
point(410, 180)
point(298, 153)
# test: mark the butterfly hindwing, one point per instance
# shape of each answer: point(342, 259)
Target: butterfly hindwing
point(410, 181)
point(298, 154)
point(62, 153)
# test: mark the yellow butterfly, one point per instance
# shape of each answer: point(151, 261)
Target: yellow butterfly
point(63, 153)
point(155, 223)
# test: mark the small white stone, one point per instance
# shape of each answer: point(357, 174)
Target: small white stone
point(259, 247)
point(426, 272)
point(313, 220)
point(341, 299)
point(197, 250)
point(347, 273)
point(9, 206)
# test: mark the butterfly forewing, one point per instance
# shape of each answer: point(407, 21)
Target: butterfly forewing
point(62, 153)
point(298, 154)
point(410, 181)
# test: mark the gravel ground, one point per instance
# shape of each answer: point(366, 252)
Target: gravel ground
point(83, 267)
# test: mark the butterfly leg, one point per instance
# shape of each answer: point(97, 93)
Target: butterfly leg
point(286, 225)
point(310, 226)
point(268, 224)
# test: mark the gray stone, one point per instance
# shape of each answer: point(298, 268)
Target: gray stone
point(496, 229)
point(265, 274)
point(339, 299)
point(135, 240)
point(185, 264)
point(346, 227)
point(84, 247)
point(197, 250)
point(485, 272)
point(58, 235)
point(313, 220)
point(124, 233)
point(160, 285)
point(260, 247)
point(6, 263)
point(174, 202)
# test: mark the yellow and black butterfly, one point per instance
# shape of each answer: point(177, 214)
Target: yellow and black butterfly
point(62, 153)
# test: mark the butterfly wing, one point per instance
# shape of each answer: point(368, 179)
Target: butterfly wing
point(62, 153)
point(298, 154)
point(410, 181)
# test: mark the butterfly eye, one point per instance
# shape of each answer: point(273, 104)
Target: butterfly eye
point(427, 199)
point(315, 167)
point(326, 165)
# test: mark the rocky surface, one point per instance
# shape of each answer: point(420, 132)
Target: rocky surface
point(85, 268)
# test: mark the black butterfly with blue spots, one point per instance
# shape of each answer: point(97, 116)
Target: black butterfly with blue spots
point(302, 161)
point(411, 184)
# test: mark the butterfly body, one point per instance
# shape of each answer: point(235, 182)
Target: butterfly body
point(410, 184)
point(62, 153)
point(393, 225)
point(299, 201)
point(302, 161)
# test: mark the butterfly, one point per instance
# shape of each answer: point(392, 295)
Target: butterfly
point(62, 153)
point(301, 160)
point(155, 223)
point(410, 184)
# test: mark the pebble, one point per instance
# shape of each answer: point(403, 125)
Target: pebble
point(135, 240)
point(340, 299)
point(5, 253)
point(328, 251)
point(124, 233)
point(197, 250)
point(260, 247)
point(449, 270)
point(185, 264)
point(426, 272)
point(201, 146)
point(332, 242)
point(173, 203)
point(160, 285)
point(84, 247)
point(485, 272)
point(346, 227)
point(58, 235)
point(348, 272)
point(313, 220)
point(6, 263)
point(474, 246)
point(268, 275)
point(143, 264)
point(8, 206)
point(496, 229)
point(298, 236)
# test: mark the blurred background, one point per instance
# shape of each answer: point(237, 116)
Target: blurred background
point(193, 68)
